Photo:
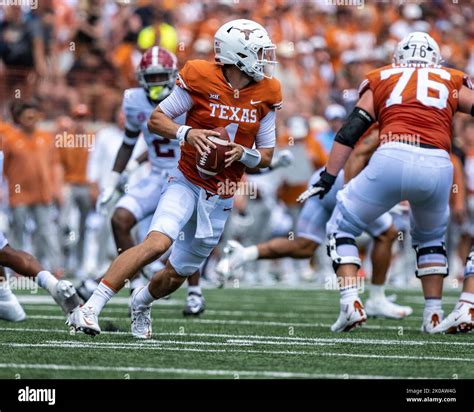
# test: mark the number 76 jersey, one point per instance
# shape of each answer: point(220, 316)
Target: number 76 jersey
point(416, 103)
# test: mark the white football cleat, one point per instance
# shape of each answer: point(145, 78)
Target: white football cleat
point(65, 296)
point(431, 320)
point(141, 318)
point(352, 315)
point(84, 319)
point(384, 308)
point(195, 305)
point(10, 308)
point(232, 260)
point(461, 319)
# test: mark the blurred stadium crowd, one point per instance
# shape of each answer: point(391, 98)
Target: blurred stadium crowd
point(65, 64)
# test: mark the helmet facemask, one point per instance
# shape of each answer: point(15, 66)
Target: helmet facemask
point(157, 83)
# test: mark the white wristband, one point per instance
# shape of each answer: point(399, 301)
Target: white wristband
point(181, 133)
point(251, 157)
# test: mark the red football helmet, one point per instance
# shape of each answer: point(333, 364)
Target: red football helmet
point(157, 72)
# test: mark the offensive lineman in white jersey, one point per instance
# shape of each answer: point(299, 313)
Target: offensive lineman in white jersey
point(156, 73)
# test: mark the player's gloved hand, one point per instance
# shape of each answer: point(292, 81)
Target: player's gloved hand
point(132, 166)
point(107, 192)
point(282, 158)
point(320, 188)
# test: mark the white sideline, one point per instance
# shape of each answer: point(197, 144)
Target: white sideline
point(155, 346)
point(211, 372)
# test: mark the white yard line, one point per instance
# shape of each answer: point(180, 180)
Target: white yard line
point(128, 346)
point(234, 322)
point(267, 339)
point(117, 300)
point(223, 313)
point(209, 372)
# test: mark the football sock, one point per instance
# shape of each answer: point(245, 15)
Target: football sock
point(250, 253)
point(144, 297)
point(100, 297)
point(432, 304)
point(377, 291)
point(195, 289)
point(467, 297)
point(47, 281)
point(348, 294)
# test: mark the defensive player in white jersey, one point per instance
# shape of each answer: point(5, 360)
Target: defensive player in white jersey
point(156, 74)
point(414, 101)
point(62, 291)
point(311, 232)
point(236, 92)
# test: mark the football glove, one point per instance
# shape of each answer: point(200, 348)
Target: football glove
point(107, 193)
point(283, 158)
point(320, 188)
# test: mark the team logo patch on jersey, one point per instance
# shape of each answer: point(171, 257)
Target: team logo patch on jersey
point(214, 96)
point(141, 117)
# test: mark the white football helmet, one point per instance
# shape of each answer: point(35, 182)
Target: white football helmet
point(246, 44)
point(417, 47)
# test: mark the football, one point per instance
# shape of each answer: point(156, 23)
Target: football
point(210, 164)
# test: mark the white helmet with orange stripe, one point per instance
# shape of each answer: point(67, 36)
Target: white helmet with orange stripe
point(247, 45)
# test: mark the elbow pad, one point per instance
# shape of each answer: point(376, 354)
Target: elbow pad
point(355, 126)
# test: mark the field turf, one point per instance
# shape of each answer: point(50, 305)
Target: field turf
point(244, 333)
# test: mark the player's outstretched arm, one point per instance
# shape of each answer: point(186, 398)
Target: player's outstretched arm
point(355, 126)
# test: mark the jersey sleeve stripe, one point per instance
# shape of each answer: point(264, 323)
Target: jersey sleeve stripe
point(182, 83)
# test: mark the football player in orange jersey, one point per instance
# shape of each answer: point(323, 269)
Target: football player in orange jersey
point(237, 92)
point(414, 101)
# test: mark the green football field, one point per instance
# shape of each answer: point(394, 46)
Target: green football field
point(244, 333)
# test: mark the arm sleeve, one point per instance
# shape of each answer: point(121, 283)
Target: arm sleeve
point(177, 103)
point(266, 135)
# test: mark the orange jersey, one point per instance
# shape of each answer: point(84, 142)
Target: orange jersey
point(217, 104)
point(74, 163)
point(29, 167)
point(416, 102)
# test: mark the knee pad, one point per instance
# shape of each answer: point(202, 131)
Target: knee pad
point(431, 255)
point(469, 270)
point(343, 251)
